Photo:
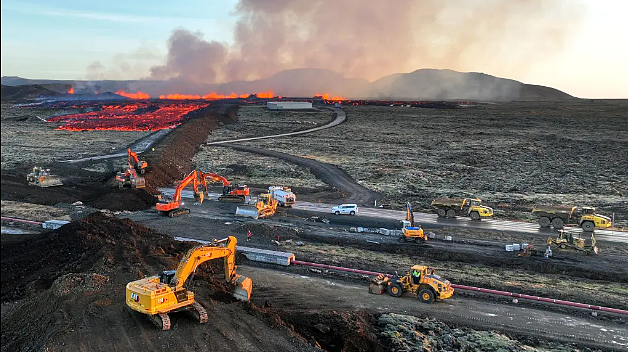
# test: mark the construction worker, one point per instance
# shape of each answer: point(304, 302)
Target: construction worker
point(416, 277)
point(548, 252)
point(248, 236)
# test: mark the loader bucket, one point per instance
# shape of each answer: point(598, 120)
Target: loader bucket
point(243, 288)
point(247, 211)
point(50, 181)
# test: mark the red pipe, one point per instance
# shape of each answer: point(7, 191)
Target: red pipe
point(476, 289)
point(20, 220)
point(339, 268)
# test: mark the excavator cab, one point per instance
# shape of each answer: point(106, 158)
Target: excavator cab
point(166, 276)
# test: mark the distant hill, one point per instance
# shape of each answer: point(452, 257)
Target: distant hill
point(423, 84)
point(32, 91)
point(429, 84)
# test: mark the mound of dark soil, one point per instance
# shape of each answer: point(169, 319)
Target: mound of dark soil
point(88, 187)
point(69, 284)
point(172, 158)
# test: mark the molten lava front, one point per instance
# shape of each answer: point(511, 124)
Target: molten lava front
point(133, 116)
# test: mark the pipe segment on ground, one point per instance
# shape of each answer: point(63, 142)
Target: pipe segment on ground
point(24, 221)
point(477, 289)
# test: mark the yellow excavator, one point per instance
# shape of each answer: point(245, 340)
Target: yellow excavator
point(265, 206)
point(409, 232)
point(159, 295)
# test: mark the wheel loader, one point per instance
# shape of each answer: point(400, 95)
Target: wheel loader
point(421, 282)
point(566, 240)
point(41, 177)
point(265, 206)
point(159, 295)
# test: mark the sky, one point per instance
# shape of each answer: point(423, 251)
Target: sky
point(68, 39)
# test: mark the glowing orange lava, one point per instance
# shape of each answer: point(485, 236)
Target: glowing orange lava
point(139, 116)
point(138, 95)
point(326, 97)
point(214, 96)
point(71, 91)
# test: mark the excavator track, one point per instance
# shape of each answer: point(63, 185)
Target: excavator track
point(231, 199)
point(198, 313)
point(161, 320)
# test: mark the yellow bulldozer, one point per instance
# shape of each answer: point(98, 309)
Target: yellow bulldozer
point(421, 282)
point(566, 240)
point(159, 295)
point(41, 177)
point(265, 206)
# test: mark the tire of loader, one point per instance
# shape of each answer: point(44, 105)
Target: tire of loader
point(395, 290)
point(475, 215)
point(544, 222)
point(441, 213)
point(588, 226)
point(451, 213)
point(402, 238)
point(557, 223)
point(426, 296)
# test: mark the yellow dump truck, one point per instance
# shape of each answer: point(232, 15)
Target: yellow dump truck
point(558, 215)
point(452, 207)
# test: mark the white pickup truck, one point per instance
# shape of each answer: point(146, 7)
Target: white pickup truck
point(283, 195)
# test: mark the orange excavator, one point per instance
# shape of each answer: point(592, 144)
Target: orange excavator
point(171, 206)
point(230, 192)
point(129, 178)
point(139, 165)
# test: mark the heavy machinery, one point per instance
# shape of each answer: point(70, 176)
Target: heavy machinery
point(264, 207)
point(159, 295)
point(230, 192)
point(409, 231)
point(283, 195)
point(41, 177)
point(422, 282)
point(139, 165)
point(129, 178)
point(171, 205)
point(566, 240)
point(558, 216)
point(451, 207)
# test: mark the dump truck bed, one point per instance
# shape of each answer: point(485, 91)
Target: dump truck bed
point(449, 202)
point(554, 209)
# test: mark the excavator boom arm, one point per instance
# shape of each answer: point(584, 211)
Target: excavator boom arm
point(200, 254)
point(192, 177)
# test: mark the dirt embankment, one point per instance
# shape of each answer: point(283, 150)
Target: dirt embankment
point(172, 158)
point(91, 188)
point(69, 284)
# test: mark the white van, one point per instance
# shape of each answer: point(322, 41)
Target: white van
point(350, 209)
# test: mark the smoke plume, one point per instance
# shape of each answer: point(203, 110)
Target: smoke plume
point(370, 39)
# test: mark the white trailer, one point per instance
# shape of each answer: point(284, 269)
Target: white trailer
point(283, 195)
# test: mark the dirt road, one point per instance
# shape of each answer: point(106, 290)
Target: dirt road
point(378, 217)
point(302, 293)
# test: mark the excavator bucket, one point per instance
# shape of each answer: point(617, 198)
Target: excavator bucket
point(50, 181)
point(243, 288)
point(247, 211)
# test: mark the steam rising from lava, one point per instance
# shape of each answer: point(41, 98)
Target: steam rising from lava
point(370, 39)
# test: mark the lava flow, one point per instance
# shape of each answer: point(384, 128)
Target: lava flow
point(139, 116)
point(138, 95)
